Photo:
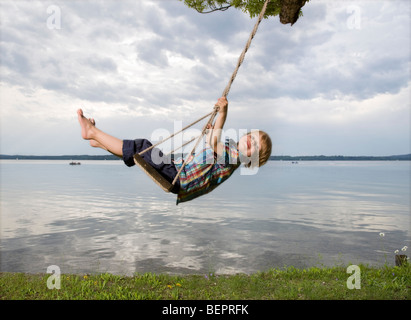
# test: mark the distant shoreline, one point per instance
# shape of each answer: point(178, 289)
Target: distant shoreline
point(404, 157)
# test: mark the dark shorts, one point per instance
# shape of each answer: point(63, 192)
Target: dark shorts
point(154, 157)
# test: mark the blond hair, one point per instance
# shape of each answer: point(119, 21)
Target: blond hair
point(265, 150)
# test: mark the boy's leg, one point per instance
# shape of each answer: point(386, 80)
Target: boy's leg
point(124, 148)
point(102, 139)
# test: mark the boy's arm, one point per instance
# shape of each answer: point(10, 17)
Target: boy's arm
point(214, 140)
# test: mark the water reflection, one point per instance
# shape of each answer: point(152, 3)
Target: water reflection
point(106, 218)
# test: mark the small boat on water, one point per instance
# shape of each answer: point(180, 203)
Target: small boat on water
point(75, 163)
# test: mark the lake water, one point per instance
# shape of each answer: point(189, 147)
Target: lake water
point(104, 217)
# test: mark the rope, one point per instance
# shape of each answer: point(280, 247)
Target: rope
point(247, 46)
point(183, 145)
point(175, 133)
point(210, 121)
point(225, 94)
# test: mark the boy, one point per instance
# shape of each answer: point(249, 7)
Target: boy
point(205, 170)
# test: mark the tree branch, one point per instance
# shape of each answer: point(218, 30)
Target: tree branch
point(214, 8)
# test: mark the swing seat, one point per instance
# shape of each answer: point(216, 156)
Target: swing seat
point(154, 175)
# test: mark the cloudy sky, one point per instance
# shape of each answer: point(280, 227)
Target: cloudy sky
point(337, 82)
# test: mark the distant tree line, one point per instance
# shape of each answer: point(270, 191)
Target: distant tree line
point(64, 157)
point(404, 157)
point(342, 158)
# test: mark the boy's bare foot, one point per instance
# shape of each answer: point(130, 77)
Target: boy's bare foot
point(86, 125)
point(97, 137)
point(93, 142)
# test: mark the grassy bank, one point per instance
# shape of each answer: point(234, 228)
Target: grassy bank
point(290, 283)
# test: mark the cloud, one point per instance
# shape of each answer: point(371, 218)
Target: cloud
point(327, 58)
point(152, 62)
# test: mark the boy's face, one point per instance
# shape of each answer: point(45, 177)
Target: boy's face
point(249, 144)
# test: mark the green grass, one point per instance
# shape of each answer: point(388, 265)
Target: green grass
point(392, 283)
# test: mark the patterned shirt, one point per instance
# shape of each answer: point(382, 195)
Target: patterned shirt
point(206, 170)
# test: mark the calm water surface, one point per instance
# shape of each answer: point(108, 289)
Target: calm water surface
point(104, 217)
